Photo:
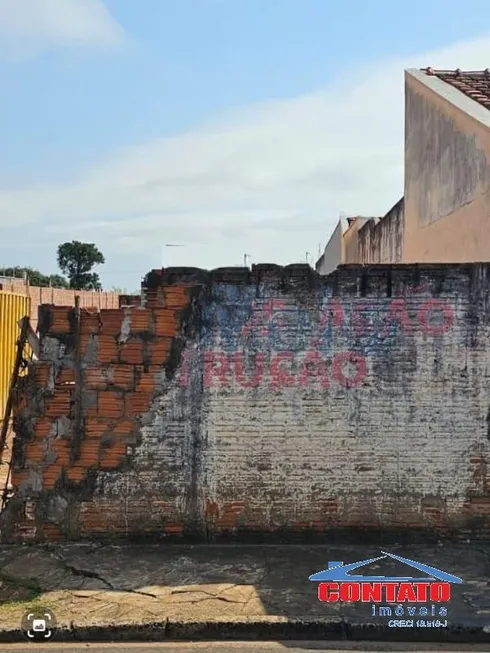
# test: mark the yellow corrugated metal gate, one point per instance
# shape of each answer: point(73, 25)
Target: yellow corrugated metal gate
point(12, 309)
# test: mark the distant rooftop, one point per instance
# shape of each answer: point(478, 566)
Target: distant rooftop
point(473, 83)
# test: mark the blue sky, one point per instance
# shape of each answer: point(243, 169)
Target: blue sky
point(231, 126)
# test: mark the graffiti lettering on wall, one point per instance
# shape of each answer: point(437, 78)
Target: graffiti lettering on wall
point(278, 343)
point(369, 324)
point(282, 370)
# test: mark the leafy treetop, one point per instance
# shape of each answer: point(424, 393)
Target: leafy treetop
point(34, 277)
point(77, 260)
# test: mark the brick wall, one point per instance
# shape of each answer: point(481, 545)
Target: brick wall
point(262, 400)
point(58, 296)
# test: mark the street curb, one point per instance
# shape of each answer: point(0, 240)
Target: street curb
point(266, 630)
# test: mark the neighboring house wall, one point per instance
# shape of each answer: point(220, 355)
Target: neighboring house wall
point(333, 254)
point(447, 173)
point(262, 400)
point(351, 244)
point(381, 240)
point(58, 297)
point(343, 246)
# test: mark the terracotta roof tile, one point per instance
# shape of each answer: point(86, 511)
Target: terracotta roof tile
point(473, 83)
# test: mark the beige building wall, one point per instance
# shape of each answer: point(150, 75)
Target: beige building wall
point(351, 242)
point(380, 240)
point(333, 254)
point(447, 173)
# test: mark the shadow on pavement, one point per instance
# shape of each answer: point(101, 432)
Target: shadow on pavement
point(228, 591)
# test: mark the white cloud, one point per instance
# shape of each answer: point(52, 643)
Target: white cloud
point(30, 26)
point(269, 180)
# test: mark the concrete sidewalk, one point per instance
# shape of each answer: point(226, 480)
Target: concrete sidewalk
point(144, 593)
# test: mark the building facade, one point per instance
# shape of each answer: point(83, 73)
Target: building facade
point(443, 215)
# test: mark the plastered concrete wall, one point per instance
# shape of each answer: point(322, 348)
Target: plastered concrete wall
point(447, 176)
point(381, 240)
point(262, 400)
point(351, 240)
point(333, 254)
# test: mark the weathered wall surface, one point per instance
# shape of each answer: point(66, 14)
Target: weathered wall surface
point(447, 177)
point(381, 240)
point(58, 296)
point(333, 255)
point(262, 400)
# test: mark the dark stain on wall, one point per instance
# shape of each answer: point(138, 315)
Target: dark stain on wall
point(261, 400)
point(444, 166)
point(380, 240)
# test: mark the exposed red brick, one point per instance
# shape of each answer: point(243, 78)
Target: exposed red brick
point(140, 319)
point(66, 376)
point(59, 404)
point(165, 322)
point(42, 372)
point(331, 506)
point(125, 426)
point(479, 505)
point(76, 473)
point(42, 427)
point(52, 532)
point(88, 454)
point(85, 340)
point(18, 477)
point(50, 475)
point(97, 426)
point(111, 320)
point(132, 352)
point(123, 376)
point(61, 317)
point(159, 350)
point(229, 515)
point(155, 297)
point(97, 377)
point(21, 401)
point(111, 404)
point(62, 450)
point(113, 455)
point(176, 296)
point(90, 321)
point(212, 509)
point(147, 379)
point(108, 351)
point(173, 527)
point(138, 403)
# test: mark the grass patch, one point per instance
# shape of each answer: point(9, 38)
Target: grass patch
point(18, 590)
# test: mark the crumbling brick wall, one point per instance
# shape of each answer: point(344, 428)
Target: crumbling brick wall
point(263, 400)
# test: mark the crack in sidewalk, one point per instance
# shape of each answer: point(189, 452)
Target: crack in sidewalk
point(92, 574)
point(209, 596)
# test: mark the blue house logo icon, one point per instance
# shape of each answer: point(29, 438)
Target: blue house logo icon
point(339, 572)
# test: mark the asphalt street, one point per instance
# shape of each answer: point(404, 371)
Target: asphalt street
point(244, 647)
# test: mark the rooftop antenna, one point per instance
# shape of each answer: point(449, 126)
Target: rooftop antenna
point(245, 260)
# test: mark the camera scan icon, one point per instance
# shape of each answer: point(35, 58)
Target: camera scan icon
point(39, 625)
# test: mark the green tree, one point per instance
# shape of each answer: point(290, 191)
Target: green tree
point(35, 277)
point(77, 261)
